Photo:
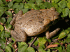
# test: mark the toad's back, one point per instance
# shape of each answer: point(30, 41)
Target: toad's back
point(32, 22)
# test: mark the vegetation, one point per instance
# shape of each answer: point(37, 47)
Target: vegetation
point(60, 43)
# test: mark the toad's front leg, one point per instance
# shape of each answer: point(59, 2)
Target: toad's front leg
point(19, 36)
point(49, 35)
point(16, 17)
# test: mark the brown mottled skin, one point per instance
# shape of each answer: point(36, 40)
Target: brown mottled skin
point(32, 23)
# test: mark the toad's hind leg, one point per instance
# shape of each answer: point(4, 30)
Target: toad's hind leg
point(49, 35)
point(19, 37)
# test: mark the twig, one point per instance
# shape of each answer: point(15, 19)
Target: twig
point(36, 47)
point(14, 45)
point(1, 23)
point(51, 46)
point(47, 1)
point(44, 0)
point(54, 40)
point(6, 42)
point(32, 42)
point(16, 50)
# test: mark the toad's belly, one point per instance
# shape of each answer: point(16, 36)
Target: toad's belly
point(32, 31)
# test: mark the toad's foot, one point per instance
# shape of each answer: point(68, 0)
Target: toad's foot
point(49, 35)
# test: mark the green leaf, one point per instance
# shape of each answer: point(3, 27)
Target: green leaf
point(41, 41)
point(2, 44)
point(65, 12)
point(59, 9)
point(13, 39)
point(10, 4)
point(8, 49)
point(6, 9)
point(69, 13)
point(1, 2)
point(62, 35)
point(36, 43)
point(68, 48)
point(7, 34)
point(60, 49)
point(31, 40)
point(55, 5)
point(38, 2)
point(8, 26)
point(1, 27)
point(62, 4)
point(42, 6)
point(52, 1)
point(41, 49)
point(26, 5)
point(55, 1)
point(47, 5)
point(10, 44)
point(48, 40)
point(30, 49)
point(2, 34)
point(68, 5)
point(8, 13)
point(48, 50)
point(16, 5)
point(24, 10)
point(22, 46)
point(68, 0)
point(16, 10)
point(22, 49)
point(67, 31)
point(68, 35)
point(31, 1)
point(4, 1)
point(1, 50)
point(67, 40)
point(9, 19)
point(2, 20)
point(29, 5)
point(18, 0)
point(1, 11)
point(20, 8)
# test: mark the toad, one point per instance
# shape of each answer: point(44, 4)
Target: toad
point(33, 23)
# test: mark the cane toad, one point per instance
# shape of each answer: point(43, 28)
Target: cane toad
point(32, 23)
